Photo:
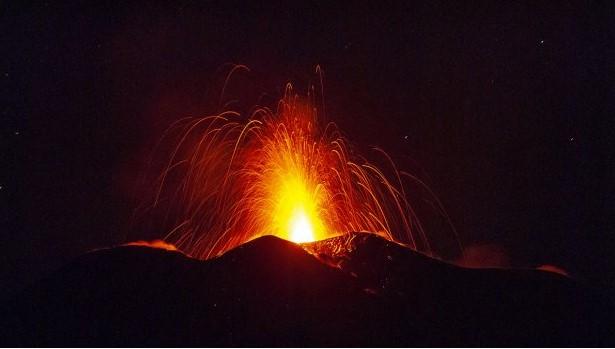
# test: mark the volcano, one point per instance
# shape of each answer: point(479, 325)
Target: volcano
point(355, 290)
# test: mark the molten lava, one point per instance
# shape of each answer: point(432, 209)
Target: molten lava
point(300, 227)
point(287, 178)
point(229, 179)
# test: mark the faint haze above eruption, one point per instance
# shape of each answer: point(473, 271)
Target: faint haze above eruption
point(228, 178)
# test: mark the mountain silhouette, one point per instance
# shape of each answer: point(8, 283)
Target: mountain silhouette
point(355, 290)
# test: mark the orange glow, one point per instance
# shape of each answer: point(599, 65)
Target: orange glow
point(229, 179)
point(553, 269)
point(153, 244)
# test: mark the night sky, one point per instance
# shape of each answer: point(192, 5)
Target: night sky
point(503, 108)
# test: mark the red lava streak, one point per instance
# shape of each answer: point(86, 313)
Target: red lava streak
point(231, 178)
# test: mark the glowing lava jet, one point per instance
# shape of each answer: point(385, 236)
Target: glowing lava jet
point(229, 179)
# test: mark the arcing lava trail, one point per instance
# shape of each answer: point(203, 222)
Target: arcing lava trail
point(228, 178)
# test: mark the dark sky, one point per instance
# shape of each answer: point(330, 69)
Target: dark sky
point(500, 106)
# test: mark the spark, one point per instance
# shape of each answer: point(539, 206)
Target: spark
point(229, 179)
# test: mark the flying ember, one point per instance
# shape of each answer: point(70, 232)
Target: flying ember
point(229, 178)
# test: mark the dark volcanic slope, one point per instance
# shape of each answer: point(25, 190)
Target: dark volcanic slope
point(272, 292)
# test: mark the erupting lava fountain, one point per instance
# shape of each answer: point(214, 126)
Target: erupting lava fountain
point(230, 178)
